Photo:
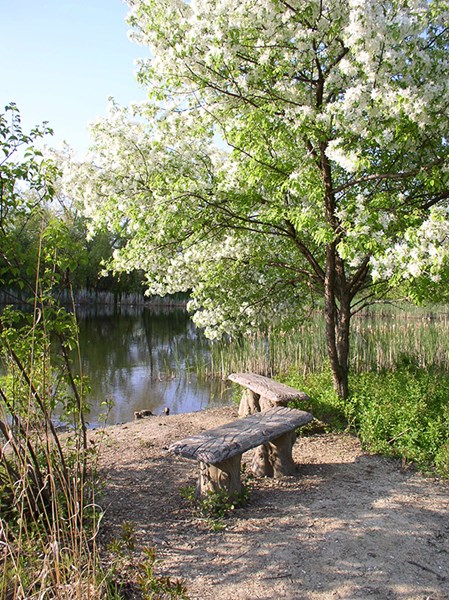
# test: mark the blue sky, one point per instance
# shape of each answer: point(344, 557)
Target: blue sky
point(60, 60)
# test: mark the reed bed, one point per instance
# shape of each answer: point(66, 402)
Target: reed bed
point(379, 341)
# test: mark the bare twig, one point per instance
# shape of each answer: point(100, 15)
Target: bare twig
point(428, 569)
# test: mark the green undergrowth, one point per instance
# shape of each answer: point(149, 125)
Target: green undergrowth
point(134, 574)
point(215, 507)
point(402, 413)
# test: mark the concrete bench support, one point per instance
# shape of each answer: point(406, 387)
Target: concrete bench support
point(219, 477)
point(274, 459)
point(260, 394)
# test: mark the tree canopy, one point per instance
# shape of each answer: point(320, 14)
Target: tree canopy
point(290, 153)
point(41, 230)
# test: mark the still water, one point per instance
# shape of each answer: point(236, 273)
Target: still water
point(144, 359)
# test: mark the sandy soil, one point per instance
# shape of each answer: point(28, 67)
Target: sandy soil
point(348, 525)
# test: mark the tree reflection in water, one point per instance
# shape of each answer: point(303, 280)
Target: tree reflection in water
point(144, 359)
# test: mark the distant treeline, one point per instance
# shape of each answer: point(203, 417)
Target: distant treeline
point(97, 297)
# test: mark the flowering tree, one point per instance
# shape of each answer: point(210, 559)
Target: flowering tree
point(290, 153)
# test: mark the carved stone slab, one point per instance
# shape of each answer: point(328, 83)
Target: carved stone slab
point(219, 444)
point(276, 392)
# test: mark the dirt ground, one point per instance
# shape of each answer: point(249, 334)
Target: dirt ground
point(348, 525)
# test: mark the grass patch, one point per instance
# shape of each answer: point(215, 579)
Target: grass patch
point(134, 574)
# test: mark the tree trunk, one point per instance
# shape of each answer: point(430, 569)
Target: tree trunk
point(337, 314)
point(337, 289)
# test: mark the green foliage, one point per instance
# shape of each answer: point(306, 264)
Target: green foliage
point(48, 515)
point(126, 543)
point(43, 231)
point(324, 403)
point(405, 414)
point(215, 506)
point(46, 483)
point(27, 184)
point(35, 344)
point(125, 571)
point(156, 587)
point(402, 413)
point(128, 535)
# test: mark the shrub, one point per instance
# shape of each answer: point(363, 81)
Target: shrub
point(402, 413)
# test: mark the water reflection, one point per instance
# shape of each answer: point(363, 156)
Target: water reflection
point(144, 359)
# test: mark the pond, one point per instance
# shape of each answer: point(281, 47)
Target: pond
point(144, 359)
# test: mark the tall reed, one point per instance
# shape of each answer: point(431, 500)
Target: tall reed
point(379, 341)
point(48, 517)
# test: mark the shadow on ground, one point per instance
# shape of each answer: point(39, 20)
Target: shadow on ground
point(348, 526)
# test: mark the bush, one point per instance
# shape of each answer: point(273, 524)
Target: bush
point(47, 514)
point(402, 413)
point(324, 403)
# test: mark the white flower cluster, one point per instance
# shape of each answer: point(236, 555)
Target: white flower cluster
point(346, 159)
point(424, 251)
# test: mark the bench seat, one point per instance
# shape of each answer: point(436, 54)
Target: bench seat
point(219, 450)
point(262, 393)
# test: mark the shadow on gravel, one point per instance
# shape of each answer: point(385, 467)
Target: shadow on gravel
point(362, 529)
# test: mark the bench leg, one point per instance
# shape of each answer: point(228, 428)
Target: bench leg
point(249, 404)
point(220, 477)
point(266, 404)
point(252, 403)
point(274, 459)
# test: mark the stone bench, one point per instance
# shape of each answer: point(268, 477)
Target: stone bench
point(262, 393)
point(219, 451)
